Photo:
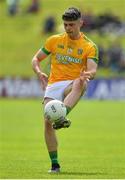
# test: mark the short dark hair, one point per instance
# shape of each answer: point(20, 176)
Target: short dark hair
point(71, 14)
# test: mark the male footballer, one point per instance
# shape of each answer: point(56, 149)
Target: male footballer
point(74, 61)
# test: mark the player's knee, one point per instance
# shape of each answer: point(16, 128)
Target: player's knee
point(79, 85)
point(84, 85)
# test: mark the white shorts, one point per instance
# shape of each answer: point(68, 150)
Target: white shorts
point(56, 90)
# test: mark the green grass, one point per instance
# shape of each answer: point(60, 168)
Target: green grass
point(21, 37)
point(93, 147)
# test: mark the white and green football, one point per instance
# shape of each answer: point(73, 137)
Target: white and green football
point(54, 110)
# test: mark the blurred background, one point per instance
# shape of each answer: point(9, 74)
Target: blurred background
point(97, 136)
point(25, 24)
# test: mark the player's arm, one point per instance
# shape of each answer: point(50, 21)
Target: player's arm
point(90, 72)
point(38, 57)
point(91, 68)
point(92, 61)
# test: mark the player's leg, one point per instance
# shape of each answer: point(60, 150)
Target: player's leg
point(56, 91)
point(51, 142)
point(74, 92)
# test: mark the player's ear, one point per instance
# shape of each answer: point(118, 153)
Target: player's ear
point(81, 22)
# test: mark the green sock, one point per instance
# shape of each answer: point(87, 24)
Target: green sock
point(68, 109)
point(53, 157)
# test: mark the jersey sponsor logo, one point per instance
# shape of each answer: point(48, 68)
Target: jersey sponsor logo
point(64, 59)
point(60, 46)
point(69, 50)
point(80, 51)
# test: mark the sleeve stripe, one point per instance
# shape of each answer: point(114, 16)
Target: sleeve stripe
point(96, 51)
point(94, 59)
point(45, 51)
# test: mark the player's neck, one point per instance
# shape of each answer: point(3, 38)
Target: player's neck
point(75, 36)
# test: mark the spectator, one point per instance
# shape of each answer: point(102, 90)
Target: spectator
point(13, 7)
point(103, 23)
point(122, 62)
point(115, 56)
point(49, 26)
point(88, 21)
point(34, 7)
point(102, 56)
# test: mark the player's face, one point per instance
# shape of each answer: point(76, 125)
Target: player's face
point(72, 28)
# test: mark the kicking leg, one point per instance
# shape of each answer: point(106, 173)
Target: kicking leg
point(74, 92)
point(72, 95)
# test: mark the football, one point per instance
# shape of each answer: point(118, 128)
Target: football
point(54, 110)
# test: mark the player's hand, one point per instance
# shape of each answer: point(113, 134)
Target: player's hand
point(43, 79)
point(85, 76)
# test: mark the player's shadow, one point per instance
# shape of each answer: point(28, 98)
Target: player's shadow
point(83, 173)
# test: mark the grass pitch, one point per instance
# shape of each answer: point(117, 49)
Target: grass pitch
point(93, 147)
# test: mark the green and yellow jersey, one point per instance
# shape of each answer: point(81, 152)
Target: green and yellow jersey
point(69, 57)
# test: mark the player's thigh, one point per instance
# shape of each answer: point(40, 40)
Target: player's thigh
point(77, 85)
point(68, 89)
point(46, 100)
point(56, 90)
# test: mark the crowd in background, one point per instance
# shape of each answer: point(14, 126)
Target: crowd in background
point(112, 57)
point(106, 22)
point(14, 7)
point(103, 23)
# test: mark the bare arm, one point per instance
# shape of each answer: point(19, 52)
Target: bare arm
point(92, 68)
point(90, 72)
point(39, 56)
